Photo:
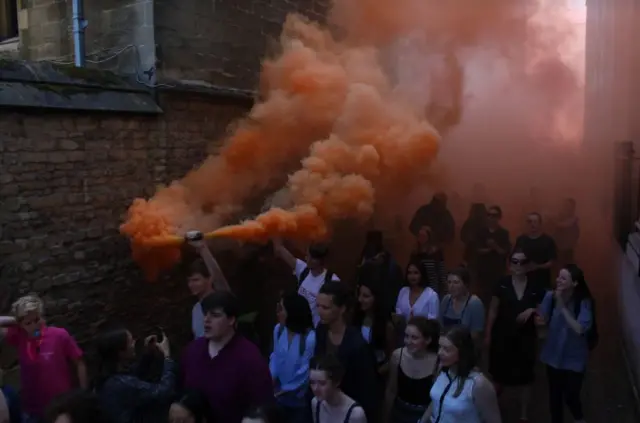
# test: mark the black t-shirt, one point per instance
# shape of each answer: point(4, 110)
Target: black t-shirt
point(493, 261)
point(539, 250)
point(360, 368)
point(511, 306)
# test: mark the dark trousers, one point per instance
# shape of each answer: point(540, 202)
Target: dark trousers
point(564, 388)
point(296, 414)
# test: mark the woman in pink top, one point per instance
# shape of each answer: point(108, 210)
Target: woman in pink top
point(44, 354)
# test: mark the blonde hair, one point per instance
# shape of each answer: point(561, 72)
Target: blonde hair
point(27, 304)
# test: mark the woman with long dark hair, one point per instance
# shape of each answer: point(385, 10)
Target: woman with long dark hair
point(124, 396)
point(461, 393)
point(294, 341)
point(417, 298)
point(373, 317)
point(511, 333)
point(569, 311)
point(412, 370)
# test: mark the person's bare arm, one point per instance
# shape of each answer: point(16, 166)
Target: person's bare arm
point(218, 279)
point(391, 339)
point(83, 378)
point(358, 416)
point(392, 384)
point(427, 414)
point(7, 321)
point(486, 401)
point(389, 347)
point(281, 251)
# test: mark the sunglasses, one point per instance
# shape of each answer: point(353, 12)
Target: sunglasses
point(520, 262)
point(494, 215)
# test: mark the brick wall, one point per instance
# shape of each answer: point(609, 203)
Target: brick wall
point(65, 182)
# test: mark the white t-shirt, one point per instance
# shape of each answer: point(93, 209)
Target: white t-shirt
point(310, 287)
point(427, 304)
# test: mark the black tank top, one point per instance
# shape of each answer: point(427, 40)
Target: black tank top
point(414, 391)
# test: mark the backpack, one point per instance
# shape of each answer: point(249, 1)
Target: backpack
point(592, 334)
point(328, 276)
point(303, 339)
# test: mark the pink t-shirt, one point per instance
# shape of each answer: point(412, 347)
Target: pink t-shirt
point(44, 366)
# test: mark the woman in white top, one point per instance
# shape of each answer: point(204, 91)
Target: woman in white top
point(330, 404)
point(461, 394)
point(417, 298)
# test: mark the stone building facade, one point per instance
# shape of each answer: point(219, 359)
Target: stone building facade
point(71, 162)
point(220, 42)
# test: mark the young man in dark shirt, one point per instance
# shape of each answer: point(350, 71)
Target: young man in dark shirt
point(334, 336)
point(540, 250)
point(225, 366)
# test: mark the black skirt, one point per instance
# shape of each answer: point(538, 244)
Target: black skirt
point(512, 358)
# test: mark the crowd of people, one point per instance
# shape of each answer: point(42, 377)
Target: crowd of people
point(399, 345)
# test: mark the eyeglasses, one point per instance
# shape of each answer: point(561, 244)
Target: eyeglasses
point(519, 262)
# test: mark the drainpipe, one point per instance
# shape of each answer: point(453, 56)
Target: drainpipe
point(79, 24)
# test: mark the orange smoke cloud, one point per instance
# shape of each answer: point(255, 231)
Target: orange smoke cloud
point(352, 114)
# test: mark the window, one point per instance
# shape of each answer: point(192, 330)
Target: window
point(8, 19)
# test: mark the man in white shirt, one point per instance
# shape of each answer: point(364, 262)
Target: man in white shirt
point(311, 273)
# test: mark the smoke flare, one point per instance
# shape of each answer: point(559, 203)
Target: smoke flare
point(353, 114)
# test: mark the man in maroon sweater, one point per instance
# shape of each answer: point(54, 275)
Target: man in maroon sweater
point(226, 367)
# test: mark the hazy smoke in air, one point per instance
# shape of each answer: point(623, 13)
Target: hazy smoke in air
point(356, 115)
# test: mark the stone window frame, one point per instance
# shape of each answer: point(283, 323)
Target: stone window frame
point(9, 27)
